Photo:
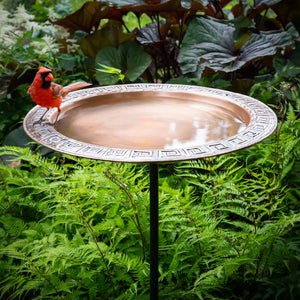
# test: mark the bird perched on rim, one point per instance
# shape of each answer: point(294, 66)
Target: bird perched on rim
point(46, 93)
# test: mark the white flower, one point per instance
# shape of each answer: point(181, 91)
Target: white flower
point(46, 45)
point(52, 14)
point(60, 32)
point(72, 48)
point(22, 17)
point(14, 25)
point(34, 26)
point(5, 28)
point(4, 16)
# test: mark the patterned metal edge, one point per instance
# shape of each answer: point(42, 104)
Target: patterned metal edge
point(263, 123)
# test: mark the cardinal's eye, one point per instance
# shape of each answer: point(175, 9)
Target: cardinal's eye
point(44, 75)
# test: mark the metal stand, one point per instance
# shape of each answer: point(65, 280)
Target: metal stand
point(153, 231)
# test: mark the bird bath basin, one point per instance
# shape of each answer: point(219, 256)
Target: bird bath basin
point(152, 123)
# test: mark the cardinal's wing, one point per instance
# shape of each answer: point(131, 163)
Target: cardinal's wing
point(57, 90)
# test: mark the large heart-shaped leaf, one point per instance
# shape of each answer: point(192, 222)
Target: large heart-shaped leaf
point(265, 44)
point(140, 6)
point(149, 35)
point(129, 58)
point(206, 41)
point(111, 34)
point(211, 44)
point(108, 56)
point(88, 17)
point(134, 60)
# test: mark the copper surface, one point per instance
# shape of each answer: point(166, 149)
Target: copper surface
point(151, 120)
point(152, 123)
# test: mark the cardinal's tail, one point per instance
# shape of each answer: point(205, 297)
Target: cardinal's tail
point(73, 87)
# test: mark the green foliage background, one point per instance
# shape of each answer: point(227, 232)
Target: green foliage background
point(73, 228)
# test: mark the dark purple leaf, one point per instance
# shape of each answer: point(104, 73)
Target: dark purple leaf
point(210, 44)
point(88, 17)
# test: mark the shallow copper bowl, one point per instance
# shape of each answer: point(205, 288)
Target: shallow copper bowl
point(152, 123)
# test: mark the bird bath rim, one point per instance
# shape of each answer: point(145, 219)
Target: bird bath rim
point(260, 121)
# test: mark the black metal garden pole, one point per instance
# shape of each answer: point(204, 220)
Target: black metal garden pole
point(153, 231)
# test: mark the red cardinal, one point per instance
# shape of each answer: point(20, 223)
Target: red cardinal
point(46, 93)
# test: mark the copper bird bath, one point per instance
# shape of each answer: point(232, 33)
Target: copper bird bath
point(152, 123)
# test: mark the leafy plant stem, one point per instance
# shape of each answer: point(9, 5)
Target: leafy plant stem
point(196, 231)
point(139, 22)
point(180, 33)
point(127, 29)
point(258, 264)
point(282, 112)
point(156, 69)
point(168, 76)
point(113, 179)
point(212, 184)
point(232, 245)
point(90, 230)
point(263, 20)
point(271, 249)
point(43, 276)
point(6, 194)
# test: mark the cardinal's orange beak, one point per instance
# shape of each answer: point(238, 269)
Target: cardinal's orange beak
point(49, 77)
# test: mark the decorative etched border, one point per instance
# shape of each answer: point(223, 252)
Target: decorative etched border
point(263, 123)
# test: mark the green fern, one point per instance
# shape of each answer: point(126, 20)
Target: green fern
point(73, 228)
